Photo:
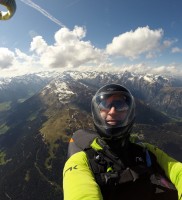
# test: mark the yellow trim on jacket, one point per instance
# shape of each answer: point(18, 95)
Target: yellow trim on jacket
point(78, 179)
point(172, 167)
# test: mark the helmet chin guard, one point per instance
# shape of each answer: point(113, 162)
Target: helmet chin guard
point(123, 127)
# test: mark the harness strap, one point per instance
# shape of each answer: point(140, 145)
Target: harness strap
point(109, 169)
point(84, 139)
point(115, 178)
point(107, 155)
point(111, 172)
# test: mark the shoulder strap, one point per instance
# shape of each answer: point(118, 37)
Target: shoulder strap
point(83, 138)
point(80, 141)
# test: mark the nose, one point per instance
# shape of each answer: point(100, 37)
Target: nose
point(112, 110)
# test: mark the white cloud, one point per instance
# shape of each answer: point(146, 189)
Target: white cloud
point(71, 52)
point(134, 43)
point(140, 68)
point(69, 49)
point(176, 50)
point(143, 68)
point(64, 35)
point(38, 45)
point(150, 55)
point(168, 43)
point(22, 56)
point(6, 58)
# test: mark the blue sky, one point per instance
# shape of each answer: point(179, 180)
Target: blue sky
point(106, 35)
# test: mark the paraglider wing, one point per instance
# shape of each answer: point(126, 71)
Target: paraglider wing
point(11, 8)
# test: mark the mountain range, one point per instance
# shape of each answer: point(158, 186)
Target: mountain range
point(39, 112)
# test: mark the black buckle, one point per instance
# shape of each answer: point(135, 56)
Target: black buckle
point(127, 175)
point(111, 178)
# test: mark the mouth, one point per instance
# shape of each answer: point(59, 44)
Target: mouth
point(112, 122)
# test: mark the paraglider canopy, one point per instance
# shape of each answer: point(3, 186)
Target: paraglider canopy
point(10, 5)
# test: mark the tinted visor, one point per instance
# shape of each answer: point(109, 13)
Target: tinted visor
point(119, 101)
point(119, 105)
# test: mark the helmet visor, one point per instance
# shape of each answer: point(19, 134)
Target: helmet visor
point(119, 103)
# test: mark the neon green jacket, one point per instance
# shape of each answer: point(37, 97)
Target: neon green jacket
point(79, 182)
point(172, 168)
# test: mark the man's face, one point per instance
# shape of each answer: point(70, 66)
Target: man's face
point(114, 109)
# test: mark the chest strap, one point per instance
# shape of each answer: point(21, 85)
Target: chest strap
point(108, 169)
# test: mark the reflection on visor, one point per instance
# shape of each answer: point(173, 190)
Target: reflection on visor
point(119, 105)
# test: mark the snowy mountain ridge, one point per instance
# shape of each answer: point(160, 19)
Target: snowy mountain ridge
point(77, 75)
point(155, 90)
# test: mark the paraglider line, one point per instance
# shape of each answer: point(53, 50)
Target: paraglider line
point(44, 12)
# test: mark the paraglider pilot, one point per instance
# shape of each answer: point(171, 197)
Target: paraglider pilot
point(107, 164)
